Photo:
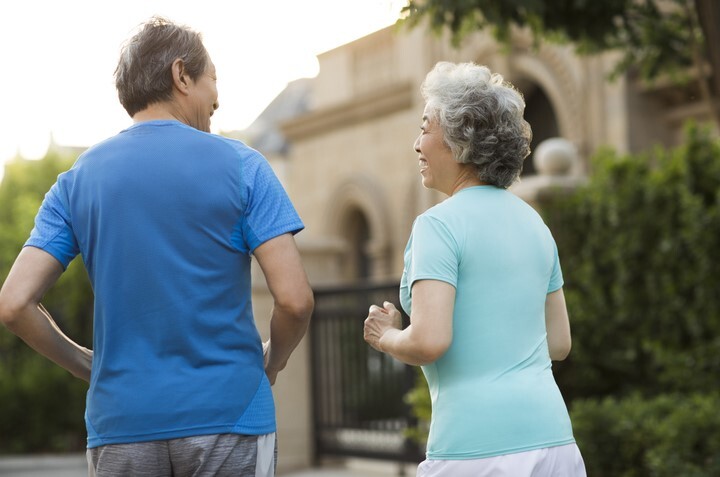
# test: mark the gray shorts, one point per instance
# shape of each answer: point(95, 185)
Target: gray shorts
point(221, 455)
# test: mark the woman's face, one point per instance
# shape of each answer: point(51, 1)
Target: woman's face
point(438, 168)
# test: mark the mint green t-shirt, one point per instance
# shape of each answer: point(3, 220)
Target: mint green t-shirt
point(493, 391)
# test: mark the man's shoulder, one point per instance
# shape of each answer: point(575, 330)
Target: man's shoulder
point(236, 144)
point(185, 138)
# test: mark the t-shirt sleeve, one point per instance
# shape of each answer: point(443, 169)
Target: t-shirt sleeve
point(433, 253)
point(268, 211)
point(53, 231)
point(556, 277)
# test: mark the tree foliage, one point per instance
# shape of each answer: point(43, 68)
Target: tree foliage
point(653, 34)
point(43, 405)
point(654, 38)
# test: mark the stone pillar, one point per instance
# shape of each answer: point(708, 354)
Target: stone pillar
point(293, 389)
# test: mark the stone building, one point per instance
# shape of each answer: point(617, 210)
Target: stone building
point(342, 145)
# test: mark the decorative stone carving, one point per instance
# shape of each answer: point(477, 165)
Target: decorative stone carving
point(557, 162)
point(555, 157)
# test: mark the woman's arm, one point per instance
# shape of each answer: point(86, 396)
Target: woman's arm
point(430, 332)
point(557, 325)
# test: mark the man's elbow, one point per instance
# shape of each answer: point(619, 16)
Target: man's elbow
point(10, 311)
point(305, 307)
point(299, 306)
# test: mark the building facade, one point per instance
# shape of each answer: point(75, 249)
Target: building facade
point(342, 144)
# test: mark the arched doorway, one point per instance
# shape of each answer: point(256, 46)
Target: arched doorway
point(355, 230)
point(357, 215)
point(540, 114)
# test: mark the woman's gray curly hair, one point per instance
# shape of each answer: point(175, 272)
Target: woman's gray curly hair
point(481, 116)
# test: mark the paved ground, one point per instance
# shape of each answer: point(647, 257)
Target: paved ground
point(44, 466)
point(75, 466)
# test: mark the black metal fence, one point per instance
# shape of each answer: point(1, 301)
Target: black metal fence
point(358, 393)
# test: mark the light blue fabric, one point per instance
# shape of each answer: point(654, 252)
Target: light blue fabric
point(493, 391)
point(165, 218)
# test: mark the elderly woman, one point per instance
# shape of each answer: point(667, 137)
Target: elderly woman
point(483, 288)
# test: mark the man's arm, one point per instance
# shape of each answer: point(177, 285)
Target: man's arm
point(31, 276)
point(557, 325)
point(281, 264)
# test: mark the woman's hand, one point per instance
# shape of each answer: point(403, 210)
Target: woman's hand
point(379, 321)
point(429, 334)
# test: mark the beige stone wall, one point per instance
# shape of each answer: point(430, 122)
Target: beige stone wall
point(291, 390)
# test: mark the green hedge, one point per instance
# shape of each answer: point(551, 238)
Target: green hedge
point(42, 405)
point(670, 435)
point(640, 249)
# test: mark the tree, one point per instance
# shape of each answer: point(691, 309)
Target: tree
point(654, 37)
point(43, 404)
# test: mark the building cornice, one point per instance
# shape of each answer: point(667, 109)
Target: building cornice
point(384, 101)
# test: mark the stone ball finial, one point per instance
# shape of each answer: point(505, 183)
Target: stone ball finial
point(555, 157)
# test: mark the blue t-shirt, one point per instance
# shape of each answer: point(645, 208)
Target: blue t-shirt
point(166, 218)
point(493, 391)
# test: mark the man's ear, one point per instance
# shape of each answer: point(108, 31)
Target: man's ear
point(181, 80)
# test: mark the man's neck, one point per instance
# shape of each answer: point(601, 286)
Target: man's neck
point(156, 112)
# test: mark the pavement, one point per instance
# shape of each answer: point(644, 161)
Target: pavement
point(75, 465)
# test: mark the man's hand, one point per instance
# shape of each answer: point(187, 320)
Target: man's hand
point(271, 373)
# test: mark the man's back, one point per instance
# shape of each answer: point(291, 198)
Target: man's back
point(165, 217)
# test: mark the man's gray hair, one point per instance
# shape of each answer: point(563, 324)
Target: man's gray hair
point(144, 72)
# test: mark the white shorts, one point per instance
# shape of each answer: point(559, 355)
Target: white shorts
point(560, 461)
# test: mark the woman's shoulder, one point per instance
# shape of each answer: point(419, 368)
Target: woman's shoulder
point(441, 212)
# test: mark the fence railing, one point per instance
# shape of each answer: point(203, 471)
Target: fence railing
point(358, 393)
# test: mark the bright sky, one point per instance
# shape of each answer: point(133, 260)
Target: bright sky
point(58, 58)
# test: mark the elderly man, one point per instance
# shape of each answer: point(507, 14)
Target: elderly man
point(166, 217)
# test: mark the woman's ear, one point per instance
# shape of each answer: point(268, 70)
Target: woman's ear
point(181, 80)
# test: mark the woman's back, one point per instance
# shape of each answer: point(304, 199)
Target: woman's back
point(493, 390)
